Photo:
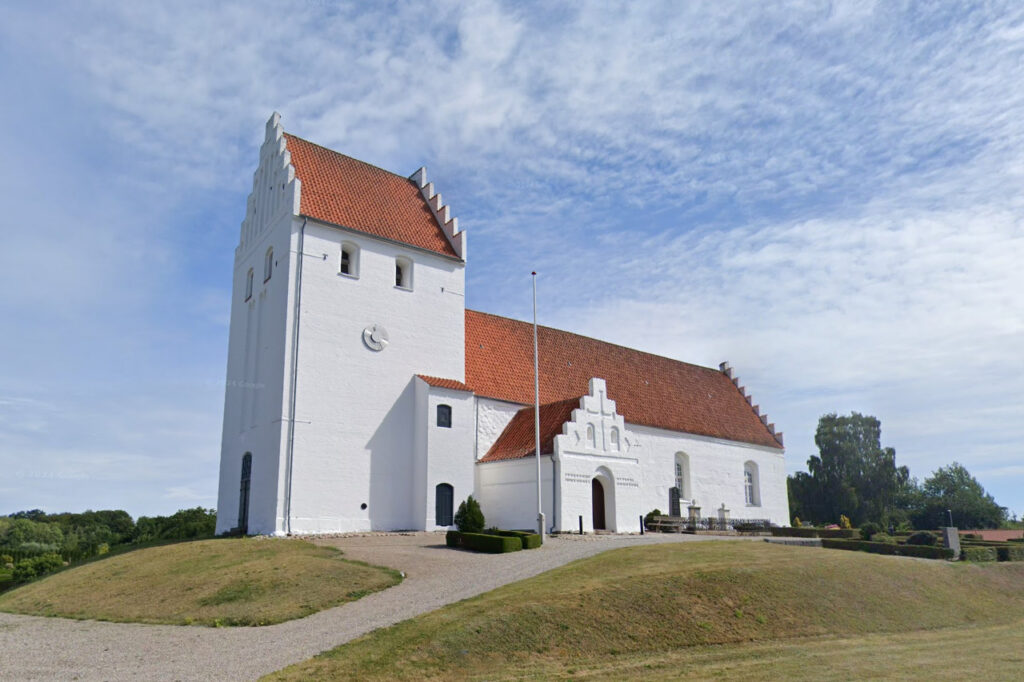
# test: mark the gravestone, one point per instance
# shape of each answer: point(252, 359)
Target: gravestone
point(951, 537)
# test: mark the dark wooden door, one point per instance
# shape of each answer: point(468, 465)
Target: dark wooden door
point(597, 491)
point(243, 494)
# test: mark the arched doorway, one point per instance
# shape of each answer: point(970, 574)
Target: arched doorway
point(444, 501)
point(597, 493)
point(243, 494)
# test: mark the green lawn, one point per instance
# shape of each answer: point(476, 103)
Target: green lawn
point(704, 610)
point(241, 581)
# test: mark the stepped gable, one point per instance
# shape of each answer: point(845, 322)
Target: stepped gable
point(343, 191)
point(517, 440)
point(649, 390)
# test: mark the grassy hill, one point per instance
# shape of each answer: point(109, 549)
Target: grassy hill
point(241, 581)
point(653, 611)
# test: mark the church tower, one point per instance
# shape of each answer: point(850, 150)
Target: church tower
point(348, 283)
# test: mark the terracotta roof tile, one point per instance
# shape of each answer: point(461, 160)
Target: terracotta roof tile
point(343, 191)
point(517, 440)
point(649, 390)
point(438, 382)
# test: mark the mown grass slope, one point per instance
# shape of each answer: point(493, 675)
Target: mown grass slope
point(644, 607)
point(242, 581)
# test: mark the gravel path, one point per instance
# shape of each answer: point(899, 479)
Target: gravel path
point(36, 648)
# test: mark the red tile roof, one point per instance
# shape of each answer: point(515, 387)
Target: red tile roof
point(517, 440)
point(438, 382)
point(649, 390)
point(343, 191)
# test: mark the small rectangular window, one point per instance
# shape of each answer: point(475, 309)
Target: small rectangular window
point(444, 416)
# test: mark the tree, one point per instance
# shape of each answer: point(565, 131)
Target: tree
point(954, 488)
point(469, 518)
point(852, 475)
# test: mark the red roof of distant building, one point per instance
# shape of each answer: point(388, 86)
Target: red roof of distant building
point(649, 390)
point(517, 440)
point(343, 191)
point(438, 382)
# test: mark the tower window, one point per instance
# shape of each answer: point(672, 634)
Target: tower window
point(403, 273)
point(268, 264)
point(248, 285)
point(444, 416)
point(349, 259)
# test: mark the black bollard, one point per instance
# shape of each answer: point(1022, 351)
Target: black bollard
point(641, 524)
point(581, 524)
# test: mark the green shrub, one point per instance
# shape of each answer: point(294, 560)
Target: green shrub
point(921, 551)
point(651, 514)
point(469, 518)
point(1010, 553)
point(453, 538)
point(922, 537)
point(869, 529)
point(6, 559)
point(533, 541)
point(813, 532)
point(36, 566)
point(979, 554)
point(884, 538)
point(492, 544)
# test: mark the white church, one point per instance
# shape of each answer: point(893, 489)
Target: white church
point(363, 395)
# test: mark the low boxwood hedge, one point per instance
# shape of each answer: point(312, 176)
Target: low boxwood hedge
point(921, 551)
point(813, 532)
point(453, 538)
point(493, 544)
point(1010, 553)
point(529, 540)
point(979, 554)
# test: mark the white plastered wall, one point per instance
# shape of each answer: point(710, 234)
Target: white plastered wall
point(256, 371)
point(355, 430)
point(449, 451)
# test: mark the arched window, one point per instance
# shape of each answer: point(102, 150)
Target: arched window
point(614, 438)
point(751, 485)
point(682, 477)
point(444, 416)
point(444, 498)
point(591, 438)
point(243, 493)
point(403, 273)
point(248, 285)
point(268, 264)
point(349, 259)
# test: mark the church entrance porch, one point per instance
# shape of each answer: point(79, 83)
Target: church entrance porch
point(597, 504)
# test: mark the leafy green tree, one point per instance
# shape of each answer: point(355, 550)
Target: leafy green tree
point(954, 488)
point(852, 475)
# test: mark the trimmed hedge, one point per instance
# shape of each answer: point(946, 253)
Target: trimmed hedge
point(979, 554)
point(453, 538)
point(840, 533)
point(492, 544)
point(529, 540)
point(1010, 553)
point(921, 551)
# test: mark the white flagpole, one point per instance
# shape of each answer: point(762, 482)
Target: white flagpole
point(536, 409)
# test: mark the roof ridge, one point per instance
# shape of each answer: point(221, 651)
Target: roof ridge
point(352, 158)
point(592, 338)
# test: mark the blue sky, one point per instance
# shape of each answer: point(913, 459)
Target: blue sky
point(827, 195)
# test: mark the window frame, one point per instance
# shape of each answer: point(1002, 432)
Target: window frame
point(352, 250)
point(751, 484)
point(443, 408)
point(404, 265)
